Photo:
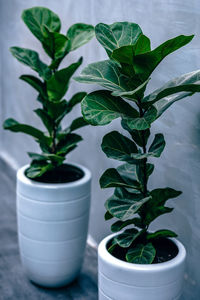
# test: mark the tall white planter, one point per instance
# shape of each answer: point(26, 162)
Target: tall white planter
point(122, 280)
point(52, 227)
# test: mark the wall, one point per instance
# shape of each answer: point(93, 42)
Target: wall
point(179, 166)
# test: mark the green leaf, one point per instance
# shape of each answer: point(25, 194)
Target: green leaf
point(140, 137)
point(155, 207)
point(31, 59)
point(49, 158)
point(106, 73)
point(189, 82)
point(141, 254)
point(119, 225)
point(144, 64)
point(141, 123)
point(126, 238)
point(129, 173)
point(117, 34)
point(79, 34)
point(37, 17)
point(76, 124)
point(57, 110)
point(76, 99)
point(100, 108)
point(111, 178)
point(163, 233)
point(157, 145)
point(15, 126)
point(123, 205)
point(46, 119)
point(58, 84)
point(118, 146)
point(36, 83)
point(67, 143)
point(38, 168)
point(108, 216)
point(155, 149)
point(55, 44)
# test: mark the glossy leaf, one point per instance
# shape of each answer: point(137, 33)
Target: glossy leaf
point(79, 34)
point(123, 205)
point(163, 233)
point(46, 157)
point(126, 238)
point(189, 82)
point(100, 108)
point(76, 124)
point(117, 34)
point(144, 64)
point(38, 168)
point(108, 216)
point(31, 59)
point(36, 83)
point(111, 178)
point(58, 84)
point(119, 225)
point(37, 17)
point(13, 125)
point(141, 254)
point(129, 173)
point(46, 119)
point(141, 123)
point(118, 146)
point(76, 99)
point(68, 143)
point(140, 137)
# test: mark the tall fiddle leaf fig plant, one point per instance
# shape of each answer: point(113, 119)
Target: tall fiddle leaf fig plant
point(124, 77)
point(52, 84)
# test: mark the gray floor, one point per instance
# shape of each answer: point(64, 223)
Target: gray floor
point(13, 283)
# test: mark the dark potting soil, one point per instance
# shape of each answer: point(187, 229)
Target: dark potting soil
point(62, 174)
point(165, 250)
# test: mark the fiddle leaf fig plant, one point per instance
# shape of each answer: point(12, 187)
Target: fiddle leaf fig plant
point(124, 77)
point(52, 84)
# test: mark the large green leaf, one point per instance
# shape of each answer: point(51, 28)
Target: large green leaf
point(189, 82)
point(141, 254)
point(36, 83)
point(123, 205)
point(15, 126)
point(55, 44)
point(155, 149)
point(76, 98)
point(164, 233)
point(57, 109)
point(46, 119)
point(119, 225)
point(144, 64)
point(117, 34)
point(111, 178)
point(100, 108)
point(141, 123)
point(140, 137)
point(58, 84)
point(37, 17)
point(79, 34)
point(118, 146)
point(106, 73)
point(68, 143)
point(46, 157)
point(76, 124)
point(31, 59)
point(155, 207)
point(38, 168)
point(129, 173)
point(126, 238)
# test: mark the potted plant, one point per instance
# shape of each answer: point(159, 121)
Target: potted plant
point(53, 197)
point(134, 262)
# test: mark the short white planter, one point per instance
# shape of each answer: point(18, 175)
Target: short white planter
point(52, 227)
point(122, 280)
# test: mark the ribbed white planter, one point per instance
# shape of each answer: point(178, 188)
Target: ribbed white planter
point(52, 227)
point(122, 280)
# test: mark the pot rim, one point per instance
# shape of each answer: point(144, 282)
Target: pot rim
point(112, 260)
point(23, 178)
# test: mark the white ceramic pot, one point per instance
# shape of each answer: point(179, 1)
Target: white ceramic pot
point(120, 280)
point(52, 227)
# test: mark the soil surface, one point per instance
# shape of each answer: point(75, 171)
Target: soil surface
point(165, 250)
point(62, 174)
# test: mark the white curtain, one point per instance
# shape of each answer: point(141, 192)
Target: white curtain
point(179, 166)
